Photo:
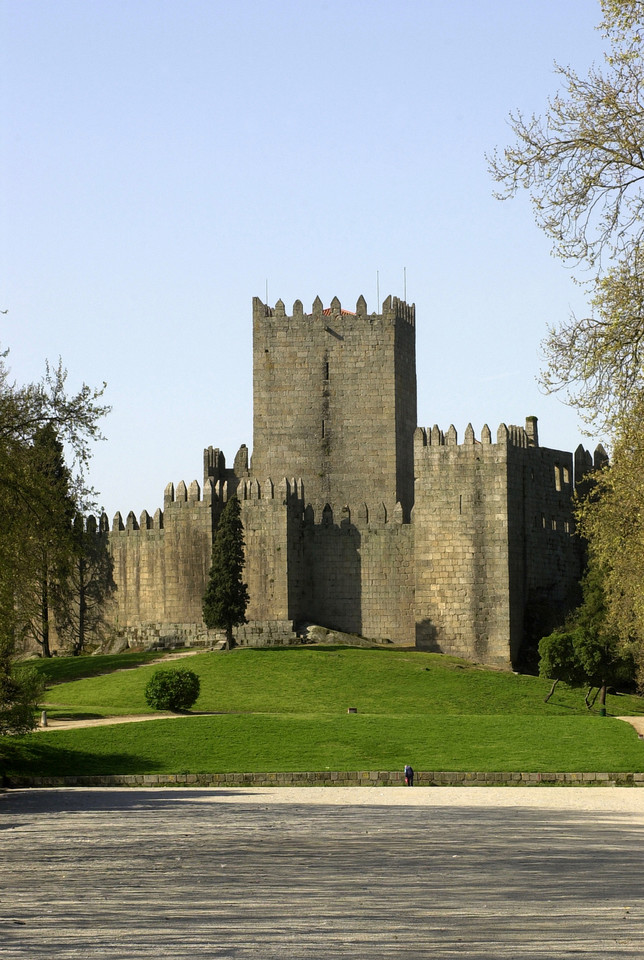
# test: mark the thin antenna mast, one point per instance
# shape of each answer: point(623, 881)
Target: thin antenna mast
point(266, 301)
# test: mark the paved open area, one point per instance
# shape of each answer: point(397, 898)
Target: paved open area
point(322, 873)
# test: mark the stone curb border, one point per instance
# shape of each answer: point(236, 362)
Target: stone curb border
point(373, 778)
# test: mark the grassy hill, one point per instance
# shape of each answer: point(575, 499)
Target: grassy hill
point(286, 709)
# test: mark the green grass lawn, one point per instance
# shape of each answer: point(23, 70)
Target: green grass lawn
point(307, 680)
point(286, 710)
point(60, 669)
point(268, 742)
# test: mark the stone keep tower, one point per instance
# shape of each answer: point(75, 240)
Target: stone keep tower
point(334, 401)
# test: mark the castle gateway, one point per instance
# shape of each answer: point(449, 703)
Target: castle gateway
point(354, 517)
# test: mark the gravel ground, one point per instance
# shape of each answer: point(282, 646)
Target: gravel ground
point(309, 873)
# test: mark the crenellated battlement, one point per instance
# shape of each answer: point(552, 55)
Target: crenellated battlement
point(173, 498)
point(284, 489)
point(586, 463)
point(91, 525)
point(505, 435)
point(361, 516)
point(131, 524)
point(393, 309)
point(218, 487)
point(288, 491)
point(214, 463)
point(191, 494)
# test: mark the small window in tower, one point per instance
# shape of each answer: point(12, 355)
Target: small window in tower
point(323, 429)
point(326, 370)
point(557, 477)
point(566, 475)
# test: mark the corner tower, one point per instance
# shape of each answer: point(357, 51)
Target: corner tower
point(334, 400)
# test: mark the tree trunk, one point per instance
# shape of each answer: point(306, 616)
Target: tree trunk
point(552, 690)
point(591, 703)
point(82, 606)
point(44, 613)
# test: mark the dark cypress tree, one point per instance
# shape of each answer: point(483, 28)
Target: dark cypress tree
point(226, 597)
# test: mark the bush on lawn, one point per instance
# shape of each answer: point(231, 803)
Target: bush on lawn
point(172, 689)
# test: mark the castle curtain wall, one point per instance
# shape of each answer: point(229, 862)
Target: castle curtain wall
point(546, 558)
point(269, 519)
point(161, 564)
point(462, 597)
point(496, 561)
point(387, 568)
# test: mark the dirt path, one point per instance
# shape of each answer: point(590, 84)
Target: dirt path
point(56, 724)
point(637, 722)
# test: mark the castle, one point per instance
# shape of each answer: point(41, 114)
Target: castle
point(354, 517)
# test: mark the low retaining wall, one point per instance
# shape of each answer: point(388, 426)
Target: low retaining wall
point(373, 778)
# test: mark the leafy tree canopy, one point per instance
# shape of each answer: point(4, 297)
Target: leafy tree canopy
point(611, 518)
point(75, 417)
point(582, 164)
point(20, 691)
point(38, 495)
point(587, 651)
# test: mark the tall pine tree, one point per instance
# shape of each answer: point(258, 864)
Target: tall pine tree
point(226, 596)
point(49, 600)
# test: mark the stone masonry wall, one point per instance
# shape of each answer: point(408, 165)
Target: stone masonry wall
point(332, 554)
point(388, 582)
point(497, 564)
point(361, 573)
point(335, 400)
point(341, 778)
point(265, 516)
point(353, 573)
point(461, 556)
point(546, 558)
point(161, 564)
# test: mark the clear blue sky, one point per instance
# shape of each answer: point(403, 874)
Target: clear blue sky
point(163, 160)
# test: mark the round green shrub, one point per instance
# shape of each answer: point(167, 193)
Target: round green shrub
point(172, 689)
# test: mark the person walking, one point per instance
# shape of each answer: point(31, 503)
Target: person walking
point(409, 775)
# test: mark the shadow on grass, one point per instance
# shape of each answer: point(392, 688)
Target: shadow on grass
point(327, 648)
point(38, 759)
point(54, 714)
